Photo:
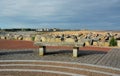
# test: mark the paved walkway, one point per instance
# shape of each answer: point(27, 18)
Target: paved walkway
point(112, 58)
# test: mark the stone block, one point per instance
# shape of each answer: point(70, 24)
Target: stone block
point(95, 43)
point(16, 37)
point(48, 39)
point(20, 37)
point(87, 43)
point(52, 39)
point(101, 43)
point(106, 44)
point(69, 40)
point(43, 39)
point(37, 38)
point(3, 37)
point(27, 38)
point(57, 40)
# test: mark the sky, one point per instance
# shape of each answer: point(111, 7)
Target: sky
point(67, 14)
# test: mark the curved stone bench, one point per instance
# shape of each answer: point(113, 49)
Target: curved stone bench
point(42, 46)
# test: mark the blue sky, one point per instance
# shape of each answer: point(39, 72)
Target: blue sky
point(68, 14)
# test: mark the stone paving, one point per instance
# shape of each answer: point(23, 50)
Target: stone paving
point(111, 58)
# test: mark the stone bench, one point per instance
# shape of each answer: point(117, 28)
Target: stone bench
point(42, 46)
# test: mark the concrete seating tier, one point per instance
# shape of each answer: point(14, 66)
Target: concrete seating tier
point(53, 68)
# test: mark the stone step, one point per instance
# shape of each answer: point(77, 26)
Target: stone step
point(63, 69)
point(31, 72)
point(78, 68)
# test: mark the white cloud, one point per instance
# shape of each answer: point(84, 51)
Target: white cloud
point(58, 11)
point(41, 8)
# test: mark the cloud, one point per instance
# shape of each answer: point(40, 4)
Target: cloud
point(59, 12)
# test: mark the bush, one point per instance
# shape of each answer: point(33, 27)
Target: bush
point(113, 42)
point(33, 38)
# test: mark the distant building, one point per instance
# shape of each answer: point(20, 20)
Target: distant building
point(47, 29)
point(40, 29)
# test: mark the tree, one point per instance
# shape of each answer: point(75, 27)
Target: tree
point(113, 42)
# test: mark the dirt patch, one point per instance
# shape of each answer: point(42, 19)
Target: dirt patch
point(18, 44)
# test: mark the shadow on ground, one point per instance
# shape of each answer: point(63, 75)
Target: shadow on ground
point(56, 52)
point(80, 53)
point(16, 52)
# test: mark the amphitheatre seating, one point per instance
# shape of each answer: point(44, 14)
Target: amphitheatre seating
point(53, 68)
point(75, 45)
